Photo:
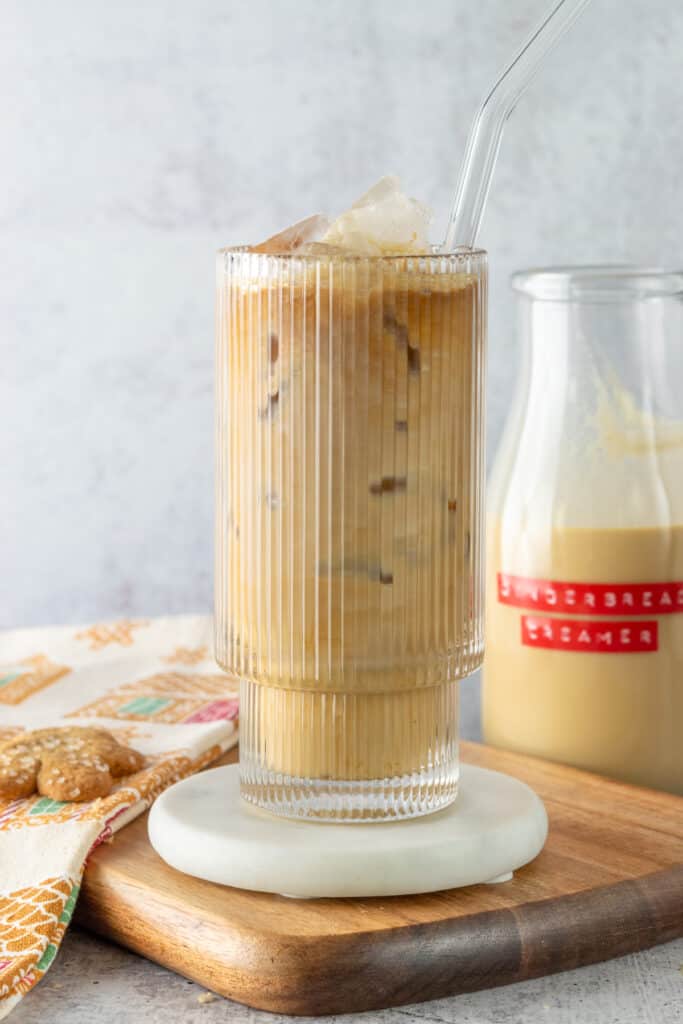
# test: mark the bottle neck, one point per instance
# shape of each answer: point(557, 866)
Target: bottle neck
point(596, 431)
point(586, 356)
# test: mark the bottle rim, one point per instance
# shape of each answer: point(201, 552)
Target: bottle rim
point(598, 283)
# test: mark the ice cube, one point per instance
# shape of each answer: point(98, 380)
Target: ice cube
point(382, 221)
point(386, 188)
point(311, 229)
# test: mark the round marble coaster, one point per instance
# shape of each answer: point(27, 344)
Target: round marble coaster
point(202, 827)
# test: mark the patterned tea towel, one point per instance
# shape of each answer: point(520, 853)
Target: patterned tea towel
point(154, 685)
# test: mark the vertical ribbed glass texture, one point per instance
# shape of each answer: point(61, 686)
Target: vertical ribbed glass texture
point(349, 527)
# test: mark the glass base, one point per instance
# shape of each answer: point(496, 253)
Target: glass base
point(339, 800)
point(349, 757)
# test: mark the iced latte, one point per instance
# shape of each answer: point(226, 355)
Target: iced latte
point(350, 397)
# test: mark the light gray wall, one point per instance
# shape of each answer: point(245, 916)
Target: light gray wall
point(137, 137)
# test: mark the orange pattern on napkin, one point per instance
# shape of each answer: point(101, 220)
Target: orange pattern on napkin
point(152, 684)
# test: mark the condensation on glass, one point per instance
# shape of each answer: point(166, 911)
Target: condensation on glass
point(350, 397)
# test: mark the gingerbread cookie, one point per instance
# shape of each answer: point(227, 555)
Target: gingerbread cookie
point(64, 764)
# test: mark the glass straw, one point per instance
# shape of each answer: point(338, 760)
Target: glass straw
point(487, 130)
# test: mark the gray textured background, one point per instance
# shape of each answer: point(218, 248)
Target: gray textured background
point(138, 137)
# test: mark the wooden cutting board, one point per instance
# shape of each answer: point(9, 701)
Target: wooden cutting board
point(609, 882)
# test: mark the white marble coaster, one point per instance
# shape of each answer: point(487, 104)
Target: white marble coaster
point(201, 827)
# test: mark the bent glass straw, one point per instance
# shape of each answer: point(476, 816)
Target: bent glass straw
point(487, 129)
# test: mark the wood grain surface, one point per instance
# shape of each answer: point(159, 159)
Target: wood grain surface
point(609, 882)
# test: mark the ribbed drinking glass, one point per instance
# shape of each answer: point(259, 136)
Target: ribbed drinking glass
point(350, 402)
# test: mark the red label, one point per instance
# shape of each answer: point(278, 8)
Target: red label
point(590, 598)
point(615, 637)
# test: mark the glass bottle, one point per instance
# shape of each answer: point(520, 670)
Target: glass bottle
point(584, 604)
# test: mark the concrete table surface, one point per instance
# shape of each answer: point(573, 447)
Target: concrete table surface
point(92, 980)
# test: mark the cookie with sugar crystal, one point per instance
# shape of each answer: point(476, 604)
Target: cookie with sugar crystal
point(64, 763)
